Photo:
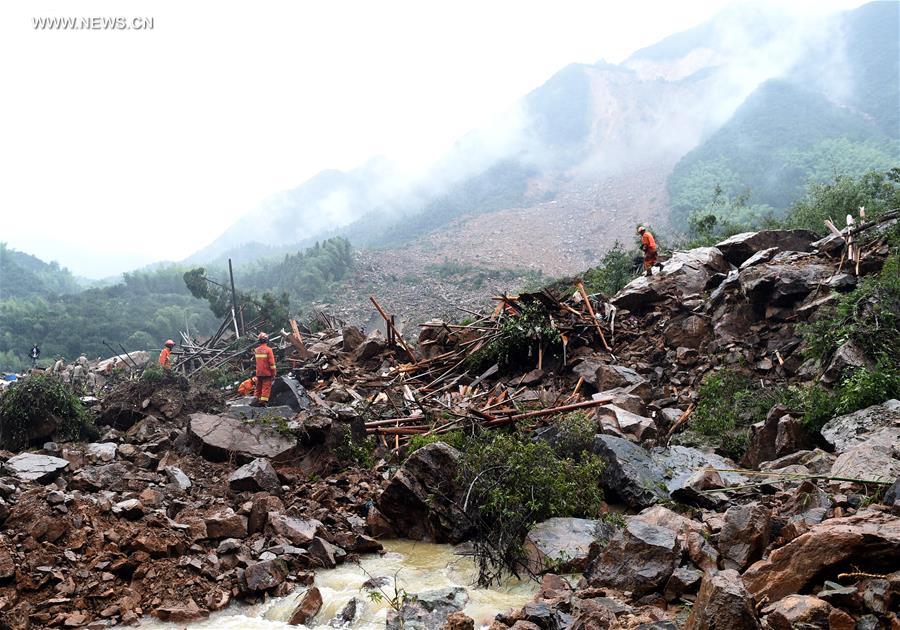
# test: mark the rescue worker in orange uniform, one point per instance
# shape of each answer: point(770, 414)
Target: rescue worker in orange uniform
point(165, 357)
point(246, 388)
point(265, 371)
point(648, 244)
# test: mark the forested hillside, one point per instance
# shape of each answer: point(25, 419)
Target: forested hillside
point(23, 275)
point(834, 113)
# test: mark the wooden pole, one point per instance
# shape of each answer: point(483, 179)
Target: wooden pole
point(234, 308)
point(398, 336)
point(590, 309)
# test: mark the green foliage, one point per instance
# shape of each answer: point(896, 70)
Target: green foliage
point(457, 439)
point(866, 387)
point(220, 377)
point(348, 450)
point(143, 310)
point(31, 401)
point(728, 403)
point(153, 373)
point(782, 139)
point(877, 191)
point(616, 269)
point(518, 336)
point(25, 276)
point(575, 439)
point(513, 483)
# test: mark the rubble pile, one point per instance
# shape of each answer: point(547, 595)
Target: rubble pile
point(186, 503)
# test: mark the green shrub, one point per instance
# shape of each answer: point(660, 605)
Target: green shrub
point(864, 388)
point(616, 269)
point(513, 483)
point(32, 401)
point(518, 337)
point(153, 373)
point(728, 403)
point(575, 439)
point(360, 453)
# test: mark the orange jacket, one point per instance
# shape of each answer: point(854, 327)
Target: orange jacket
point(246, 388)
point(265, 361)
point(165, 358)
point(648, 243)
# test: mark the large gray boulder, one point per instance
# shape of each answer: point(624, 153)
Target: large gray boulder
point(854, 428)
point(785, 280)
point(287, 391)
point(421, 501)
point(563, 545)
point(684, 275)
point(631, 424)
point(875, 459)
point(428, 610)
point(602, 376)
point(630, 472)
point(217, 438)
point(256, 476)
point(738, 248)
point(723, 602)
point(34, 467)
point(639, 558)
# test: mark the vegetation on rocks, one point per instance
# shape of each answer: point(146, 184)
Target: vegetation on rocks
point(518, 338)
point(35, 400)
point(510, 483)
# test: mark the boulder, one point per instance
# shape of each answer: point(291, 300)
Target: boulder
point(630, 473)
point(347, 615)
point(224, 523)
point(624, 399)
point(265, 575)
point(680, 463)
point(847, 357)
point(784, 283)
point(723, 602)
point(744, 535)
point(374, 345)
point(428, 610)
point(351, 338)
point(261, 506)
point(685, 274)
point(602, 376)
point(693, 536)
point(256, 476)
point(177, 477)
point(687, 331)
point(738, 248)
point(762, 256)
point(96, 478)
point(875, 459)
point(323, 552)
point(851, 429)
point(33, 467)
point(805, 611)
point(309, 606)
point(298, 531)
point(638, 427)
point(132, 509)
point(639, 558)
point(287, 391)
point(104, 452)
point(869, 539)
point(422, 497)
point(219, 437)
point(458, 621)
point(778, 435)
point(683, 580)
point(892, 497)
point(563, 545)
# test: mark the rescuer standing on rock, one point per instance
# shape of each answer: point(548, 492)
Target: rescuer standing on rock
point(648, 244)
point(265, 371)
point(165, 357)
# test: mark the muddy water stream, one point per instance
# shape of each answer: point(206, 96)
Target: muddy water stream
point(421, 566)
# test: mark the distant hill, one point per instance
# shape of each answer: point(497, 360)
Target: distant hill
point(750, 99)
point(23, 276)
point(834, 112)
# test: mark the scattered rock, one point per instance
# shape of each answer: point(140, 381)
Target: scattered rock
point(563, 545)
point(639, 558)
point(421, 499)
point(738, 248)
point(32, 467)
point(253, 477)
point(428, 610)
point(309, 606)
point(218, 437)
point(722, 603)
point(854, 428)
point(630, 473)
point(744, 535)
point(266, 575)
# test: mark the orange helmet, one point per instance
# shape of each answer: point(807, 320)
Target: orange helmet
point(170, 343)
point(263, 337)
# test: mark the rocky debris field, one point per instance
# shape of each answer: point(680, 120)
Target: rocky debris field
point(185, 504)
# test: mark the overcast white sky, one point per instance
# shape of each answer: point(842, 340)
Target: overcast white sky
point(120, 148)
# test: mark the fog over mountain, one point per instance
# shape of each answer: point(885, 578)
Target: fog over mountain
point(588, 123)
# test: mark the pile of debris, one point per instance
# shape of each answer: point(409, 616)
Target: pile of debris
point(187, 502)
